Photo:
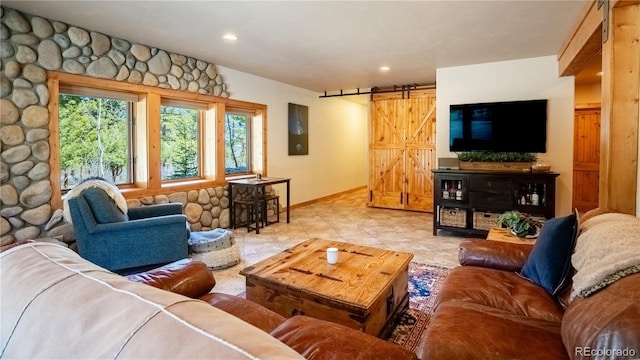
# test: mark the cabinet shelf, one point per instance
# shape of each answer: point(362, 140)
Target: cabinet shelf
point(482, 193)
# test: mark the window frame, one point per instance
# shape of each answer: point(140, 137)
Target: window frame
point(146, 135)
point(131, 109)
point(201, 109)
point(250, 116)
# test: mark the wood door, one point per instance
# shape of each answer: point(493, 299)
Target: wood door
point(420, 149)
point(402, 152)
point(387, 154)
point(586, 159)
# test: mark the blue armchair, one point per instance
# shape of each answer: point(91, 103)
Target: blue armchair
point(145, 237)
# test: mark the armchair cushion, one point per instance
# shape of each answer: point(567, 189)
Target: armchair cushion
point(154, 210)
point(549, 264)
point(103, 207)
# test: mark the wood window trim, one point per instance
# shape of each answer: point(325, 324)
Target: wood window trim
point(250, 116)
point(147, 176)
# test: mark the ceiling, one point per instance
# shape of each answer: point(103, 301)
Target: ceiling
point(331, 45)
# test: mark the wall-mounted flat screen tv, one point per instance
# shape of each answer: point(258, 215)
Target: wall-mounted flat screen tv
point(514, 126)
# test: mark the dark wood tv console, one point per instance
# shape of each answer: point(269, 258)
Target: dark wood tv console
point(479, 197)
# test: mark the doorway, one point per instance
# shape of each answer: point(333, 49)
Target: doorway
point(586, 159)
point(586, 139)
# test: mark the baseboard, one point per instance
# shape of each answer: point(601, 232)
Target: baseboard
point(329, 197)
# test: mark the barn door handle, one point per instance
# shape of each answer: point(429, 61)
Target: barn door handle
point(401, 199)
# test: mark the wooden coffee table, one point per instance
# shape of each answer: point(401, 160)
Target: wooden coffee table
point(365, 290)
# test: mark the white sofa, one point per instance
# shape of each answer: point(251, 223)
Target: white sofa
point(56, 305)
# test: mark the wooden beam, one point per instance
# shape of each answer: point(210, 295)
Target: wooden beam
point(54, 144)
point(220, 148)
point(620, 110)
point(621, 3)
point(584, 43)
point(153, 164)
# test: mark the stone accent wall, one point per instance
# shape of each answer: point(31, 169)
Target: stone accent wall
point(205, 209)
point(30, 45)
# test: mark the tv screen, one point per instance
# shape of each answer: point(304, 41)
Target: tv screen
point(514, 126)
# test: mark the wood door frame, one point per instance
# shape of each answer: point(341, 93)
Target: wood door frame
point(620, 91)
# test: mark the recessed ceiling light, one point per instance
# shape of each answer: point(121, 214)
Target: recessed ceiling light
point(384, 68)
point(230, 37)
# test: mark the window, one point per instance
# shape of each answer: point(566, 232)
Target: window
point(237, 131)
point(149, 140)
point(179, 142)
point(95, 136)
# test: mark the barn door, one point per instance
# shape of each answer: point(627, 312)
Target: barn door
point(402, 152)
point(387, 154)
point(420, 149)
point(586, 158)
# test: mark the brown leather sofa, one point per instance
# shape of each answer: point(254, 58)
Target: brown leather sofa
point(485, 310)
point(312, 338)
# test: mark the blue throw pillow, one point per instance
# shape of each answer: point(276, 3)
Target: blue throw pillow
point(549, 263)
point(103, 207)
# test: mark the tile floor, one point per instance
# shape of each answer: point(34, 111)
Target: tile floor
point(343, 218)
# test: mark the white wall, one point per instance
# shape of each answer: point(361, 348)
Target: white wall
point(524, 79)
point(338, 138)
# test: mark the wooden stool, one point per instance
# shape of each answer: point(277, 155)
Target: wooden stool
point(265, 218)
point(252, 213)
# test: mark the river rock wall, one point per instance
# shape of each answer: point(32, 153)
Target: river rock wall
point(31, 45)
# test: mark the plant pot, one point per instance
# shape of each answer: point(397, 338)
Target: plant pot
point(496, 166)
point(529, 234)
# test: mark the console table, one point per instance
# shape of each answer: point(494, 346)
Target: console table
point(470, 201)
point(258, 186)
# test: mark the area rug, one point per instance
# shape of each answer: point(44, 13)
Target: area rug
point(424, 283)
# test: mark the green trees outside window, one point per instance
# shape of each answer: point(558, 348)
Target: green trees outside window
point(179, 143)
point(236, 143)
point(95, 139)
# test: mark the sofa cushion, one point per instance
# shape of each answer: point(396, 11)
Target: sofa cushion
point(549, 264)
point(103, 207)
point(462, 330)
point(323, 340)
point(253, 313)
point(607, 320)
point(608, 249)
point(501, 290)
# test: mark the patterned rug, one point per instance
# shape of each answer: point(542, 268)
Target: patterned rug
point(424, 283)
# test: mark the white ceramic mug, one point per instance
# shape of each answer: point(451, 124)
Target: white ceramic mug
point(332, 255)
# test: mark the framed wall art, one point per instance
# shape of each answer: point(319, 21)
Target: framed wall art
point(298, 129)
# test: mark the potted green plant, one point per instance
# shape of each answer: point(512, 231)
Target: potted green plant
point(521, 225)
point(488, 160)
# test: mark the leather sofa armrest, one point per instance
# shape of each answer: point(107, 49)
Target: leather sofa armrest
point(186, 277)
point(493, 254)
point(322, 340)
